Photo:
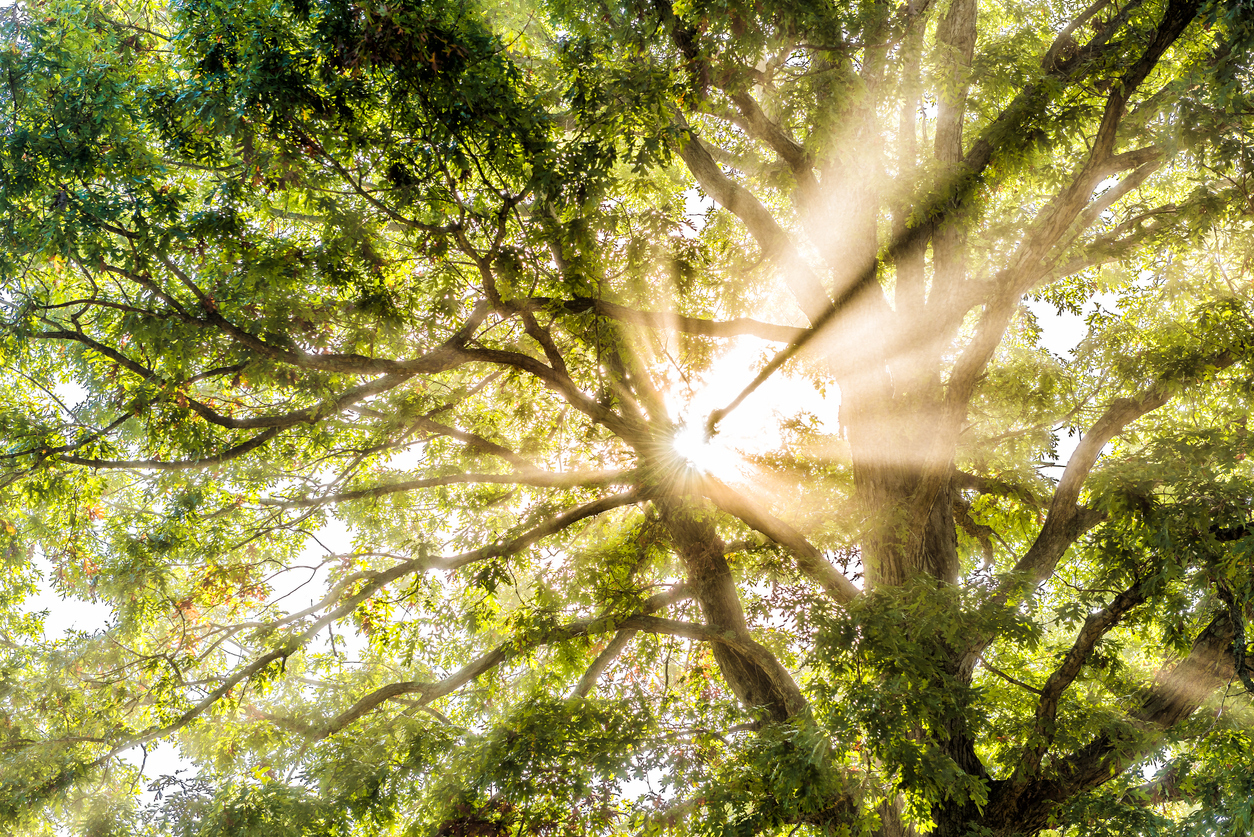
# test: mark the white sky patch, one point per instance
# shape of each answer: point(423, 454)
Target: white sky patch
point(409, 457)
point(652, 784)
point(1061, 334)
point(71, 393)
point(696, 207)
point(157, 759)
point(64, 614)
point(1062, 331)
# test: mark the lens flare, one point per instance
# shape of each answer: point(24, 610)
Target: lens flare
point(702, 453)
point(755, 428)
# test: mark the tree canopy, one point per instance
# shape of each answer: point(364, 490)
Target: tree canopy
point(669, 371)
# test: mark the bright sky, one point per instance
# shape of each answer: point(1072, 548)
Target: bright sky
point(1061, 333)
point(754, 427)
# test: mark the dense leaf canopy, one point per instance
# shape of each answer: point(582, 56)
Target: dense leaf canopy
point(616, 417)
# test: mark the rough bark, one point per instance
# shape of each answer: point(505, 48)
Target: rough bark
point(955, 36)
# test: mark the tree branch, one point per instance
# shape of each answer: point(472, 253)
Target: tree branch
point(1095, 627)
point(594, 671)
point(431, 691)
point(678, 322)
point(176, 465)
point(623, 427)
point(1060, 529)
point(992, 485)
point(549, 527)
point(1176, 693)
point(616, 645)
point(437, 360)
point(776, 245)
point(542, 479)
point(809, 560)
point(476, 442)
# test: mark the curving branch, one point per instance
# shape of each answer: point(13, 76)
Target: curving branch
point(1096, 626)
point(280, 421)
point(1176, 693)
point(809, 560)
point(625, 428)
point(1061, 526)
point(1066, 520)
point(615, 647)
point(775, 242)
point(174, 465)
point(1237, 617)
point(1107, 199)
point(474, 441)
point(274, 425)
point(437, 360)
point(611, 651)
point(758, 124)
point(549, 527)
point(429, 692)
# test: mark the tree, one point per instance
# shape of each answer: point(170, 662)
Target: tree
point(445, 276)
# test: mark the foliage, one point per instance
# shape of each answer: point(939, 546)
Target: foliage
point(607, 418)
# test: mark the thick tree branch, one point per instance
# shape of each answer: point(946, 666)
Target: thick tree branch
point(775, 242)
point(175, 465)
point(621, 426)
point(1066, 520)
point(762, 128)
point(1096, 626)
point(1237, 617)
point(279, 421)
point(621, 639)
point(1116, 192)
point(1060, 530)
point(476, 442)
point(1176, 693)
point(611, 651)
point(429, 692)
point(809, 560)
point(1179, 690)
point(437, 360)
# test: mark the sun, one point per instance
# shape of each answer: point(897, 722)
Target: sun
point(702, 453)
point(755, 428)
